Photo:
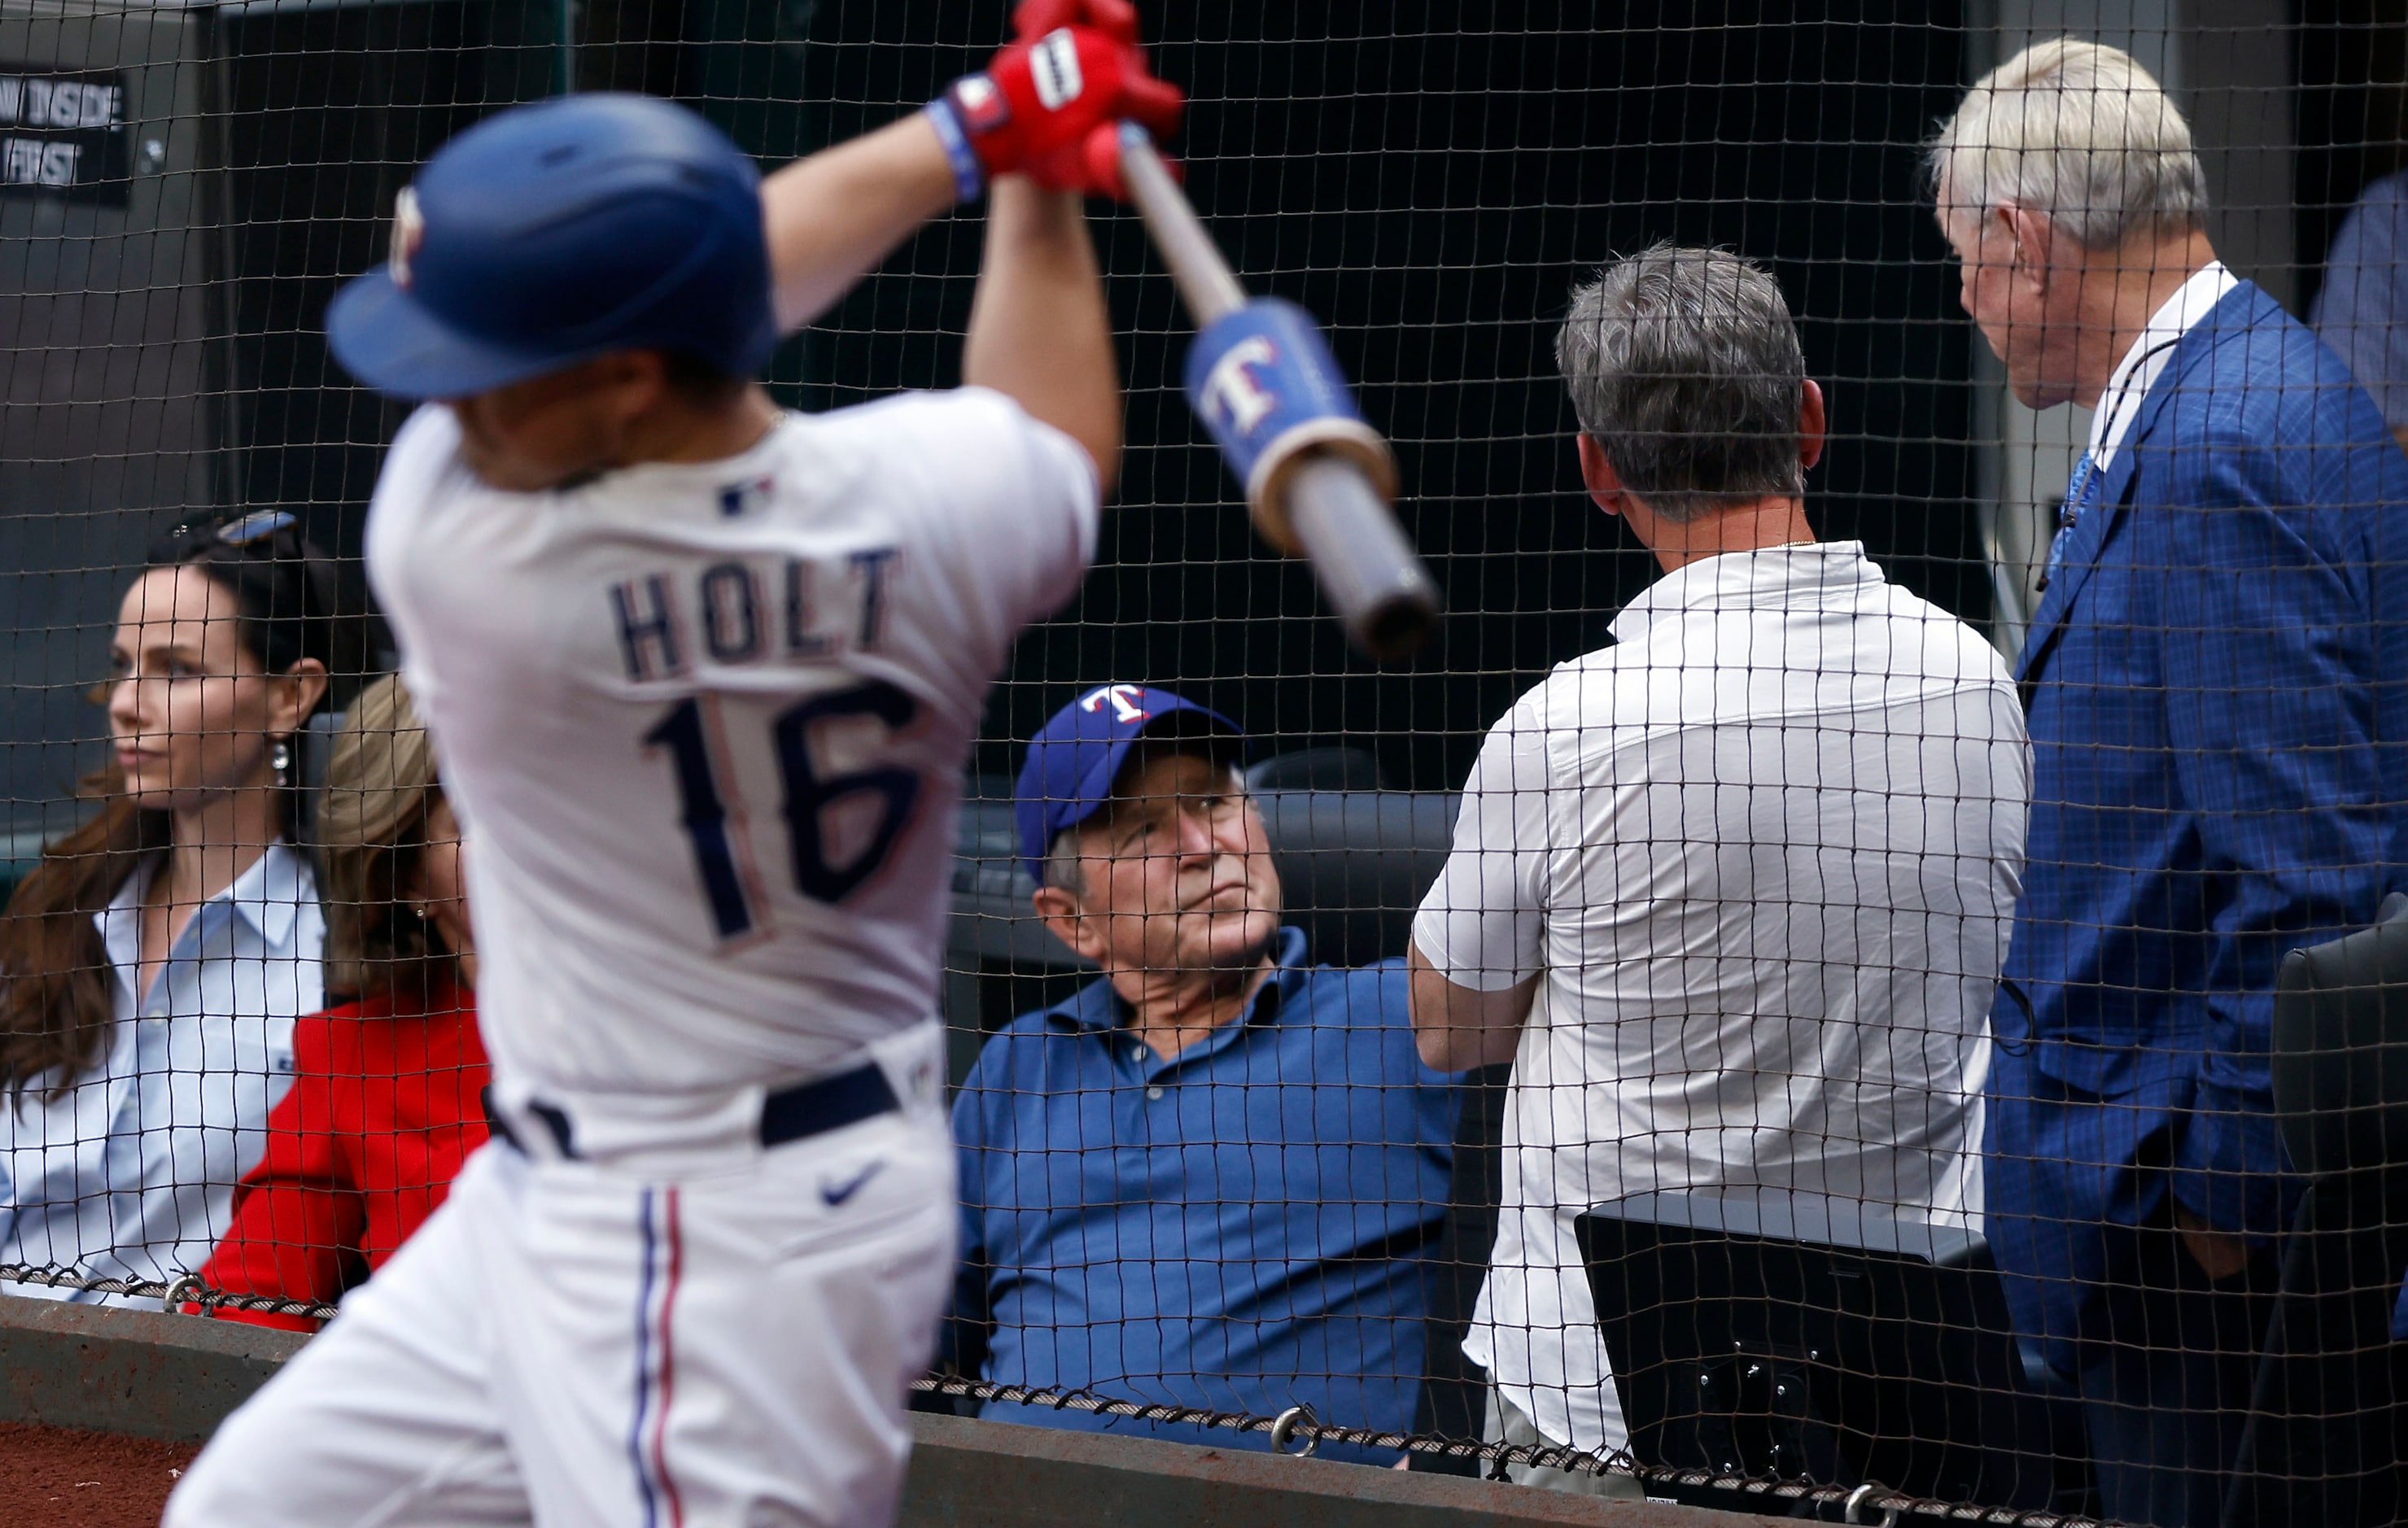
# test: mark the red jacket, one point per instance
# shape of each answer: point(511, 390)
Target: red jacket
point(383, 1110)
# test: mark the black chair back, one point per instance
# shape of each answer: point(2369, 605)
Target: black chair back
point(2323, 1437)
point(1778, 1335)
point(2341, 1049)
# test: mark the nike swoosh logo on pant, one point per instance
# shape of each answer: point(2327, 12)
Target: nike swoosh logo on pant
point(836, 1194)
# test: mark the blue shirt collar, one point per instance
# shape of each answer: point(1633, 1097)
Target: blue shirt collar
point(1097, 1008)
point(267, 896)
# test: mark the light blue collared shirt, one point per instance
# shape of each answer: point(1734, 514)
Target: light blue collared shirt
point(130, 1173)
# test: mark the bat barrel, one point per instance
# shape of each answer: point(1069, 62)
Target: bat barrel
point(1372, 578)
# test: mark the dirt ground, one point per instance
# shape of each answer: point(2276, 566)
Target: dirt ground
point(53, 1478)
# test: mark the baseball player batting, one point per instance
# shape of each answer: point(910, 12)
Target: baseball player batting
point(704, 677)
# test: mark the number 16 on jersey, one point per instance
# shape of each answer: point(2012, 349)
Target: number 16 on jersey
point(713, 817)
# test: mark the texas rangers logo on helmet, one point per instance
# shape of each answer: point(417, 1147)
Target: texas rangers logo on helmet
point(1124, 700)
point(408, 233)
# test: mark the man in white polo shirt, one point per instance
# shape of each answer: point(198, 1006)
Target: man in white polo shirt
point(1733, 893)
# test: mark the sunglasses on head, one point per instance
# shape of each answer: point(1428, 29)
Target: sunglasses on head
point(243, 530)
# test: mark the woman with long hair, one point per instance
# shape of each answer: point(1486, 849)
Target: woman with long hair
point(153, 963)
point(387, 1101)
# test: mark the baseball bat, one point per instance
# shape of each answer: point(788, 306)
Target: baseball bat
point(1318, 479)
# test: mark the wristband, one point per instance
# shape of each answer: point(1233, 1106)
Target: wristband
point(969, 179)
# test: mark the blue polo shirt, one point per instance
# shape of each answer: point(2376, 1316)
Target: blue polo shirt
point(1246, 1226)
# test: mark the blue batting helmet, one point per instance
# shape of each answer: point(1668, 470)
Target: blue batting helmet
point(560, 231)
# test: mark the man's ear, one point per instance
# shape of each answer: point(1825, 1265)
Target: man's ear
point(634, 381)
point(2032, 237)
point(1604, 484)
point(1059, 912)
point(1813, 424)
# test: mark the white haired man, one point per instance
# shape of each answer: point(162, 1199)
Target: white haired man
point(1760, 855)
point(2214, 683)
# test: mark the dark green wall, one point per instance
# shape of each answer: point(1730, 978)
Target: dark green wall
point(1428, 178)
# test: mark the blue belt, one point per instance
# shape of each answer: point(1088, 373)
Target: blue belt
point(790, 1114)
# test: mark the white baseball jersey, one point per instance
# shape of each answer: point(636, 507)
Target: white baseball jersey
point(707, 723)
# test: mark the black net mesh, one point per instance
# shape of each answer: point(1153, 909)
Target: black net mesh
point(1726, 1168)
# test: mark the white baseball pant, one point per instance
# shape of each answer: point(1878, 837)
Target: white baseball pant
point(567, 1343)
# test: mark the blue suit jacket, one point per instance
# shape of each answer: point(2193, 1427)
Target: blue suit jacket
point(2218, 684)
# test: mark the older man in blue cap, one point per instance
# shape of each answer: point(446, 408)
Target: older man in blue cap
point(1214, 1177)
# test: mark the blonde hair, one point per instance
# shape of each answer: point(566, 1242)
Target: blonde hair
point(2078, 132)
point(381, 787)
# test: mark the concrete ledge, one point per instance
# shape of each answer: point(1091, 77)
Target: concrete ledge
point(138, 1373)
point(995, 1475)
point(143, 1374)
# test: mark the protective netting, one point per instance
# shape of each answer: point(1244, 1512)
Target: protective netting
point(1725, 1166)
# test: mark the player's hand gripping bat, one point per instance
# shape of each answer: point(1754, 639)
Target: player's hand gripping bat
point(1318, 479)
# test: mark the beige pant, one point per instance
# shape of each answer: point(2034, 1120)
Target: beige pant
point(1509, 1424)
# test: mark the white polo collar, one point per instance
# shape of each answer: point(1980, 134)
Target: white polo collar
point(1767, 578)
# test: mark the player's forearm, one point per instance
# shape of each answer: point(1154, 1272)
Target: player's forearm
point(1040, 332)
point(832, 217)
point(1458, 1028)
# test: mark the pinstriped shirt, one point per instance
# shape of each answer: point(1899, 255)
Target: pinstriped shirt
point(1764, 853)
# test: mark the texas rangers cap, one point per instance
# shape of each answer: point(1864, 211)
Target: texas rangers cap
point(1075, 757)
point(556, 232)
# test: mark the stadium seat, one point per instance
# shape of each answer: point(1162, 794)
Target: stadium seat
point(311, 748)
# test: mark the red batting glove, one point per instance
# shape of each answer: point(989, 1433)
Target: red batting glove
point(1050, 103)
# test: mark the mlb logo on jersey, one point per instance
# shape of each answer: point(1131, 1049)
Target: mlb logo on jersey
point(737, 500)
point(1127, 702)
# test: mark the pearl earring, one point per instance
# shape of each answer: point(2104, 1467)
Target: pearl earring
point(281, 759)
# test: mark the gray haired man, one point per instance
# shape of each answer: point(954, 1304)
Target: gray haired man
point(1732, 893)
point(2216, 705)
